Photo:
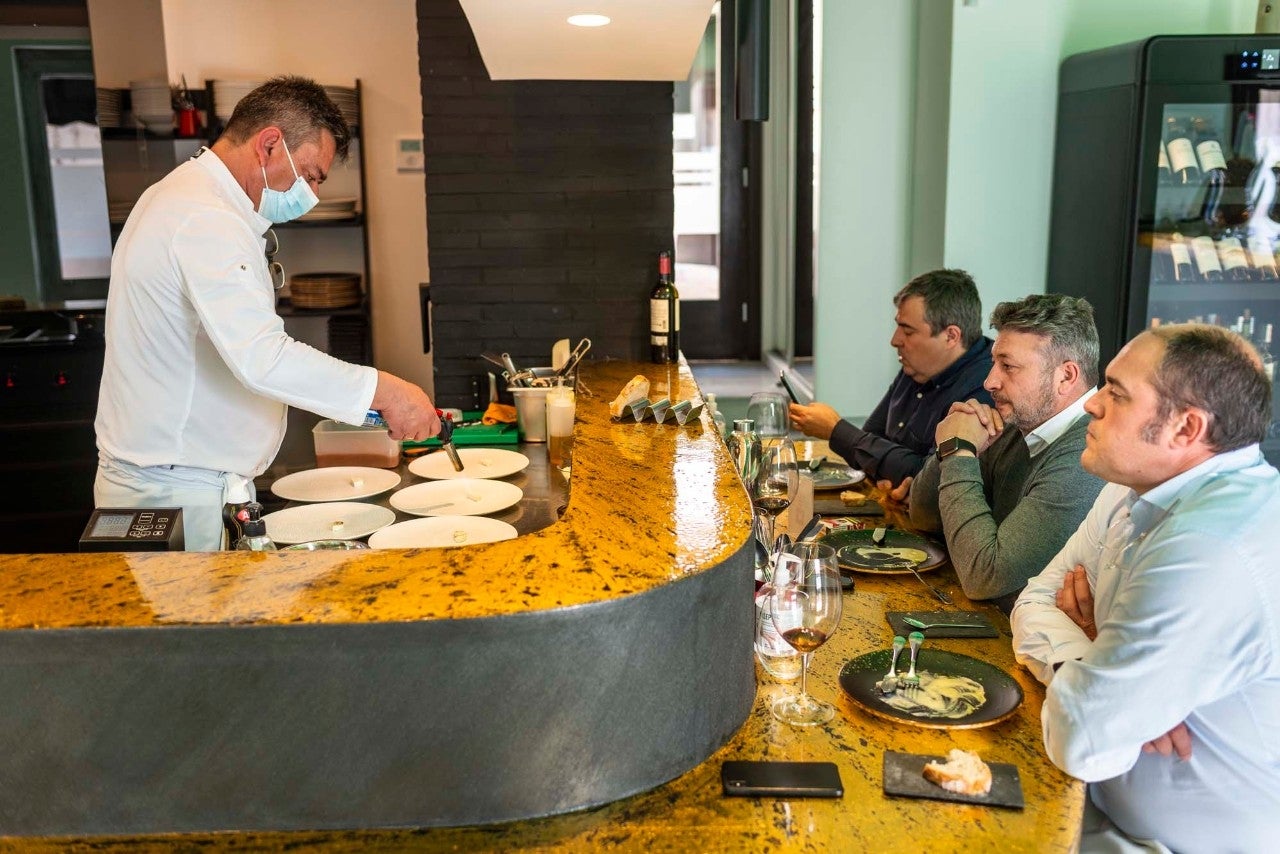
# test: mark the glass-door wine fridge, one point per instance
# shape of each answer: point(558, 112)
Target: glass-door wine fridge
point(1166, 188)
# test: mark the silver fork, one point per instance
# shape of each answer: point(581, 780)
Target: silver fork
point(911, 681)
point(889, 683)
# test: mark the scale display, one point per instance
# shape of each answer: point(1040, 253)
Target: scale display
point(133, 529)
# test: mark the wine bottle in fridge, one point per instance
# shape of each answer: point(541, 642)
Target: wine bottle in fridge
point(1213, 165)
point(1182, 157)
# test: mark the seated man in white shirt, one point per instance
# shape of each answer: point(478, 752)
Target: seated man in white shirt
point(199, 372)
point(1157, 627)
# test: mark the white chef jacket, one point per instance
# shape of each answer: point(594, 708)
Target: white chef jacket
point(1186, 592)
point(199, 370)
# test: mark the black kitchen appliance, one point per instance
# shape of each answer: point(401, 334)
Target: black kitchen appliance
point(50, 369)
point(132, 529)
point(1166, 187)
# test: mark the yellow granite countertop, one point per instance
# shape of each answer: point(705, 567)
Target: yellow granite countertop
point(691, 814)
point(649, 503)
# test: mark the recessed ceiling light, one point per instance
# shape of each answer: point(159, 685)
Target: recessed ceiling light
point(589, 20)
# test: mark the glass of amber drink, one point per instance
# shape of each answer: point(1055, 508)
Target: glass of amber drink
point(560, 411)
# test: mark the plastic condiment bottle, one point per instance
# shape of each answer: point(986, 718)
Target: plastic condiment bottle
point(254, 537)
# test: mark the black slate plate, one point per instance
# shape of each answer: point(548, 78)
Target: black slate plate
point(1003, 694)
point(904, 776)
point(831, 504)
point(848, 541)
point(983, 629)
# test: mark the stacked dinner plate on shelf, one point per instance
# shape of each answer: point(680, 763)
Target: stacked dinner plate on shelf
point(344, 97)
point(153, 105)
point(324, 290)
point(109, 107)
point(227, 93)
point(118, 212)
point(331, 209)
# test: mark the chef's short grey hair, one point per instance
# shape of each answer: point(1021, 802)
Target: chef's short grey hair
point(950, 299)
point(1066, 322)
point(298, 106)
point(1218, 372)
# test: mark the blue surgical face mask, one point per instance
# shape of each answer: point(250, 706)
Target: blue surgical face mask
point(286, 205)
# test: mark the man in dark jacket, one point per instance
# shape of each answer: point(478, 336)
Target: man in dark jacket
point(944, 358)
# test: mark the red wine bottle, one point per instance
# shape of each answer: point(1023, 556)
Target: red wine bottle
point(1214, 167)
point(1182, 157)
point(664, 315)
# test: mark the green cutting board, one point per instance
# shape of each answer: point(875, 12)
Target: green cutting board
point(475, 434)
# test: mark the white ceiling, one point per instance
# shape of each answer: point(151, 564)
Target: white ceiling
point(532, 40)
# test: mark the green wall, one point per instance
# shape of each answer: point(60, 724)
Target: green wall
point(975, 86)
point(17, 252)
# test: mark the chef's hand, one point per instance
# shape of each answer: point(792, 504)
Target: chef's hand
point(962, 424)
point(816, 419)
point(895, 495)
point(408, 411)
point(1176, 740)
point(1075, 599)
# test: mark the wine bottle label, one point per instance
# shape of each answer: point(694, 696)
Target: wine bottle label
point(658, 318)
point(1181, 155)
point(1260, 251)
point(1180, 254)
point(677, 315)
point(1163, 158)
point(1206, 254)
point(1232, 253)
point(1210, 153)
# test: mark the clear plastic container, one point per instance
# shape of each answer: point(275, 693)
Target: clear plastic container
point(531, 412)
point(340, 444)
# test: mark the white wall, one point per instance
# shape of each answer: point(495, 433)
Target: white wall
point(998, 77)
point(334, 42)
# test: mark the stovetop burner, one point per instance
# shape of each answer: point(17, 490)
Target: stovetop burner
point(35, 328)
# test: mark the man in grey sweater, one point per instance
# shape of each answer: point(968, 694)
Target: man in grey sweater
point(1006, 487)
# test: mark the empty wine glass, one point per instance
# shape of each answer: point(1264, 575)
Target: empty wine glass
point(776, 482)
point(805, 608)
point(769, 410)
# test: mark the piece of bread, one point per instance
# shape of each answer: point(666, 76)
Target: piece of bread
point(636, 389)
point(963, 773)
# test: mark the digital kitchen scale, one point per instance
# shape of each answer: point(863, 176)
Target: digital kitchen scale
point(132, 529)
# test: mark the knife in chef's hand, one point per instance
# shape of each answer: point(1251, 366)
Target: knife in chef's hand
point(446, 439)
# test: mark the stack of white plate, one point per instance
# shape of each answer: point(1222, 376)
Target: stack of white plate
point(153, 105)
point(227, 93)
point(328, 209)
point(324, 290)
point(118, 212)
point(344, 97)
point(108, 108)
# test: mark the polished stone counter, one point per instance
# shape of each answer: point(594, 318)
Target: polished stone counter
point(569, 667)
point(650, 504)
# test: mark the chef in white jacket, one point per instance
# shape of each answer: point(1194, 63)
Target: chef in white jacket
point(199, 371)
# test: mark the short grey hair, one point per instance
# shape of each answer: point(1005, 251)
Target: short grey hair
point(1067, 323)
point(1217, 371)
point(950, 299)
point(298, 106)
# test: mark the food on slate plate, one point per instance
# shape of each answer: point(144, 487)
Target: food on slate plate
point(963, 773)
point(939, 697)
point(636, 389)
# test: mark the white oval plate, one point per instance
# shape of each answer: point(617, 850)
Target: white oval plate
point(476, 462)
point(442, 532)
point(464, 496)
point(331, 520)
point(335, 483)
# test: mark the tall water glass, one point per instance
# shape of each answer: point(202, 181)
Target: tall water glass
point(769, 411)
point(805, 608)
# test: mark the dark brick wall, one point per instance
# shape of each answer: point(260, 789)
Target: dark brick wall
point(547, 205)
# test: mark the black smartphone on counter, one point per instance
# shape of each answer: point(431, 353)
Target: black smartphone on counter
point(781, 779)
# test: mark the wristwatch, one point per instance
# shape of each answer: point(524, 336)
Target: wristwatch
point(949, 446)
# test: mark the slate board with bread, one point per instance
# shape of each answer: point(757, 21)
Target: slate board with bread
point(904, 777)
